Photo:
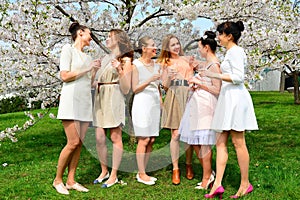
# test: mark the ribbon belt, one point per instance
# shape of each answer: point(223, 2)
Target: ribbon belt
point(106, 83)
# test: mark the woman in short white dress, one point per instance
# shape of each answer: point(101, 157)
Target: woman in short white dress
point(75, 106)
point(146, 105)
point(196, 121)
point(234, 112)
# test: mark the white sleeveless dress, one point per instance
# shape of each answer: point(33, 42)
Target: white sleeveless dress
point(146, 104)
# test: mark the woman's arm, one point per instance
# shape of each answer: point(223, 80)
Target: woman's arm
point(216, 83)
point(136, 87)
point(236, 61)
point(125, 72)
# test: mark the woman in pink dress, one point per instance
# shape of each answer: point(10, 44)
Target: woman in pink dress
point(196, 121)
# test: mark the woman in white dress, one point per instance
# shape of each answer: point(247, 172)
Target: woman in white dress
point(234, 112)
point(75, 106)
point(196, 121)
point(146, 105)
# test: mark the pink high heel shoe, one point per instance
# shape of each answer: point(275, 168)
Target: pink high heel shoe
point(219, 192)
point(250, 189)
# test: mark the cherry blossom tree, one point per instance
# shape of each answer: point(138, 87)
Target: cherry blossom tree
point(32, 33)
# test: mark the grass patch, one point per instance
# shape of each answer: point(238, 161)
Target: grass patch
point(274, 166)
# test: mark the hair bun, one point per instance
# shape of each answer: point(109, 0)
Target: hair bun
point(240, 26)
point(74, 26)
point(210, 34)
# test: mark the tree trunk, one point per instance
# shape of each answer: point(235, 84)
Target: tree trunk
point(296, 87)
point(282, 82)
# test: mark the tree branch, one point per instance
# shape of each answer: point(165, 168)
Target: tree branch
point(152, 16)
point(92, 35)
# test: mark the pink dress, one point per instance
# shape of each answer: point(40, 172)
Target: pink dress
point(195, 126)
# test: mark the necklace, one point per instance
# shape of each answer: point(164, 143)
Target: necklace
point(147, 64)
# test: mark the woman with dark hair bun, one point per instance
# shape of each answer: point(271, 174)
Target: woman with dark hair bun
point(75, 106)
point(234, 111)
point(195, 124)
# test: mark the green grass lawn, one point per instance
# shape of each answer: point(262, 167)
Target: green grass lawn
point(274, 166)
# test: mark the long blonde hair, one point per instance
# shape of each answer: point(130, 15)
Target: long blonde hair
point(164, 56)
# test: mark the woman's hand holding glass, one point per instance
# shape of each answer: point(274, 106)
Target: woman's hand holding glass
point(172, 71)
point(154, 79)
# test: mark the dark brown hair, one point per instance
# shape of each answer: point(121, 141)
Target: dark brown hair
point(209, 38)
point(233, 28)
point(75, 26)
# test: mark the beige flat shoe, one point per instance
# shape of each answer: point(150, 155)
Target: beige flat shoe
point(77, 187)
point(60, 188)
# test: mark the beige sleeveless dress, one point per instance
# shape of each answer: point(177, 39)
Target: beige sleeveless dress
point(109, 102)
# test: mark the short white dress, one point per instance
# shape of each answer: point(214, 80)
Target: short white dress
point(234, 109)
point(146, 104)
point(76, 98)
point(195, 124)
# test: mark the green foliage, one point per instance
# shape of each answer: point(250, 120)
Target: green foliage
point(28, 167)
point(12, 104)
point(16, 104)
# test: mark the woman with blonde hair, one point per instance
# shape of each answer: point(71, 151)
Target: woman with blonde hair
point(146, 105)
point(176, 70)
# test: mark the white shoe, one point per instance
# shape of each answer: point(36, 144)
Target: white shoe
point(211, 179)
point(151, 182)
point(60, 188)
point(77, 187)
point(100, 180)
point(153, 178)
point(106, 185)
point(212, 176)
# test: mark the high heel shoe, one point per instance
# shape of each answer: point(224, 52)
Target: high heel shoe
point(213, 173)
point(250, 189)
point(189, 171)
point(219, 192)
point(209, 183)
point(176, 177)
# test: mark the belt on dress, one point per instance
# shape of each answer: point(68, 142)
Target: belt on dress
point(106, 83)
point(179, 82)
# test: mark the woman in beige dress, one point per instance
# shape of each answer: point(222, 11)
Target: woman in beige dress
point(176, 70)
point(113, 81)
